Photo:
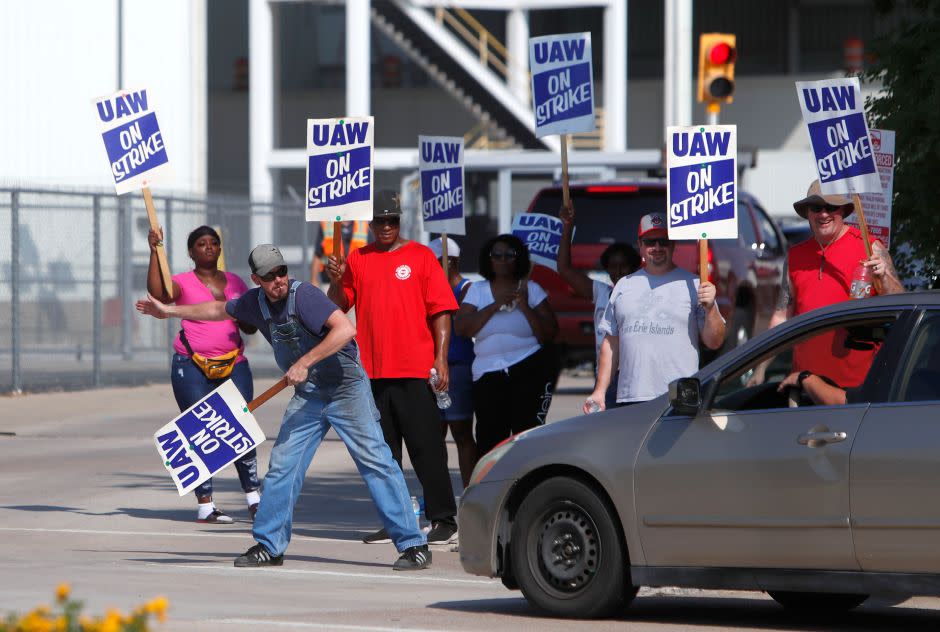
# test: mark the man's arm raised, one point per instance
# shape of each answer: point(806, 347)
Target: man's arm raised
point(211, 310)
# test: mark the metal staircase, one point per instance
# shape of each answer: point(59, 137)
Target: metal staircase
point(473, 79)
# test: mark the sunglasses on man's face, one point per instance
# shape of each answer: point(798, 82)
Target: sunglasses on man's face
point(387, 221)
point(662, 241)
point(819, 208)
point(274, 274)
point(503, 255)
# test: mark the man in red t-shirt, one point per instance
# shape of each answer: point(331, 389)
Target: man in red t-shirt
point(818, 272)
point(403, 310)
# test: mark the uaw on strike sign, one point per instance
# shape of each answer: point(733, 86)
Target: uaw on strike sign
point(562, 83)
point(208, 436)
point(440, 163)
point(339, 169)
point(834, 115)
point(133, 140)
point(701, 186)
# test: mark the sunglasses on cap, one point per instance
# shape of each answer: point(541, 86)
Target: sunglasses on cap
point(387, 221)
point(504, 255)
point(273, 274)
point(660, 241)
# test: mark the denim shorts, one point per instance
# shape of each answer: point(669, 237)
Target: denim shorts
point(460, 390)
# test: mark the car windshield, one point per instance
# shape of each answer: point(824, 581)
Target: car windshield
point(604, 217)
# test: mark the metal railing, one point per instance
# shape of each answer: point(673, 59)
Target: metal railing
point(72, 264)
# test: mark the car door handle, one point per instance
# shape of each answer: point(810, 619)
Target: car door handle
point(818, 439)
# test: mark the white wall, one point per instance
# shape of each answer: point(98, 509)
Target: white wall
point(59, 55)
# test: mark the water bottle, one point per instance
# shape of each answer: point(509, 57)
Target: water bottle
point(417, 505)
point(443, 398)
point(861, 282)
point(593, 406)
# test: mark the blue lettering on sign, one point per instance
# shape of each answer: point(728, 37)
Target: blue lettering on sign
point(541, 235)
point(842, 147)
point(124, 105)
point(701, 193)
point(340, 178)
point(442, 194)
point(564, 50)
point(135, 147)
point(173, 451)
point(829, 99)
point(213, 433)
point(705, 144)
point(353, 133)
point(444, 153)
point(563, 93)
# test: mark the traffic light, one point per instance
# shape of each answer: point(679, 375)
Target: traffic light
point(717, 53)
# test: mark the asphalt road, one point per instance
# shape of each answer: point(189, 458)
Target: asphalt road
point(84, 499)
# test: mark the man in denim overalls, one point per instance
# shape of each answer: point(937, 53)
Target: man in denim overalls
point(313, 344)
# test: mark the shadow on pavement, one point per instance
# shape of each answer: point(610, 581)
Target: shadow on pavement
point(729, 613)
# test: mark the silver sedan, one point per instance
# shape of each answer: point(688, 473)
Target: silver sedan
point(730, 482)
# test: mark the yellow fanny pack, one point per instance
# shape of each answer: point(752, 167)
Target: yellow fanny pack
point(217, 368)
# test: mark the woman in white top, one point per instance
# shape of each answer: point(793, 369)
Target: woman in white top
point(510, 320)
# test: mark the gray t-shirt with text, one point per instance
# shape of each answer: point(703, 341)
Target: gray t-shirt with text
point(658, 319)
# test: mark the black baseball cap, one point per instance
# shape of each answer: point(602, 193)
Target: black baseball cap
point(386, 203)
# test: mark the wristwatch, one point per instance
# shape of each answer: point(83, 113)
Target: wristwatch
point(802, 376)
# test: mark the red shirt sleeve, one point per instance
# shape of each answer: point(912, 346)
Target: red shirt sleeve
point(438, 296)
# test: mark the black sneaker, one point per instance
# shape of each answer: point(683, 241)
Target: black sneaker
point(216, 517)
point(417, 558)
point(379, 537)
point(258, 556)
point(443, 532)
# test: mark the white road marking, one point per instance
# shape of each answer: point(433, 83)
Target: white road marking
point(165, 534)
point(408, 577)
point(264, 623)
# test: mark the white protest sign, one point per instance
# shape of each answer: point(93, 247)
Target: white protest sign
point(215, 431)
point(833, 111)
point(541, 235)
point(440, 163)
point(701, 186)
point(562, 83)
point(878, 205)
point(339, 169)
point(132, 139)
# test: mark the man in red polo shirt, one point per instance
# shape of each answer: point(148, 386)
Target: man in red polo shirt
point(403, 320)
point(819, 272)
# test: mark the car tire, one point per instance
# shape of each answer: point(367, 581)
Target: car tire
point(567, 552)
point(809, 602)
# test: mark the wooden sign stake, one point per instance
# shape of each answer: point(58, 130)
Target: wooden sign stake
point(444, 256)
point(338, 240)
point(161, 252)
point(268, 394)
point(702, 260)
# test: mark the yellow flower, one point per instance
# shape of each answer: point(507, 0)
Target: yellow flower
point(158, 607)
point(62, 592)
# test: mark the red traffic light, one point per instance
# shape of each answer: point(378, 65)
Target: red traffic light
point(720, 53)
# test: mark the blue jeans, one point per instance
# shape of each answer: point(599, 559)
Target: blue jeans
point(190, 385)
point(349, 410)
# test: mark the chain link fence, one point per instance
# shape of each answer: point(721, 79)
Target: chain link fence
point(73, 263)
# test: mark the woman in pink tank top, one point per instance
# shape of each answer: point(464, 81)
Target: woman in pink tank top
point(205, 282)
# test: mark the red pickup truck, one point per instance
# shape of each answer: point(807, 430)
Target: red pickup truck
point(747, 271)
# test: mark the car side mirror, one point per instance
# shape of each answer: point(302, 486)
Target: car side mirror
point(685, 395)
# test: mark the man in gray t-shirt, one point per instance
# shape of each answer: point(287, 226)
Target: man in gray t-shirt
point(653, 323)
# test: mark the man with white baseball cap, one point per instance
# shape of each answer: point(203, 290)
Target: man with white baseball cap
point(653, 323)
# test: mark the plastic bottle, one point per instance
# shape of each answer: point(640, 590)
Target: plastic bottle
point(417, 505)
point(443, 398)
point(861, 282)
point(593, 406)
